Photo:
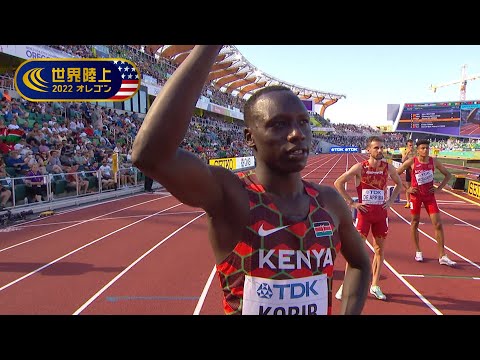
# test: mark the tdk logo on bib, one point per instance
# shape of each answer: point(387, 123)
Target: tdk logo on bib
point(288, 291)
point(264, 291)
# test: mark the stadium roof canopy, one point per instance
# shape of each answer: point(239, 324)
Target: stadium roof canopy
point(235, 75)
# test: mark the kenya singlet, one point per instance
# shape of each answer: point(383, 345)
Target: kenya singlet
point(280, 267)
point(422, 177)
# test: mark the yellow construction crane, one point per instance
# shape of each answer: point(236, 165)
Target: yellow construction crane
point(462, 82)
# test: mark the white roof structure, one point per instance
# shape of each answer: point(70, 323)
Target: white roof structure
point(235, 75)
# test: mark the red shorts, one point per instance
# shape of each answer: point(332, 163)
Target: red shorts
point(375, 219)
point(428, 201)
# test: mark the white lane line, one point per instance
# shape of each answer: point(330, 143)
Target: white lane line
point(110, 283)
point(80, 248)
point(81, 207)
point(80, 223)
point(442, 276)
point(435, 241)
point(407, 284)
point(462, 221)
point(113, 218)
point(203, 296)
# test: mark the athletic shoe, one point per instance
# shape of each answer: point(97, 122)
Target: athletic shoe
point(375, 291)
point(338, 295)
point(444, 260)
point(407, 205)
point(419, 256)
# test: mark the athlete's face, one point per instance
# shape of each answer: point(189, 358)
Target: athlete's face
point(423, 150)
point(376, 150)
point(280, 131)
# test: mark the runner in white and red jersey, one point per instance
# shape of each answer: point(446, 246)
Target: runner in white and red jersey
point(371, 176)
point(423, 192)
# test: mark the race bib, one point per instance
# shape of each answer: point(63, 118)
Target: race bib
point(304, 296)
point(424, 177)
point(373, 196)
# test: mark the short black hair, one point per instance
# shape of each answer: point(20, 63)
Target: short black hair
point(248, 108)
point(409, 141)
point(422, 141)
point(374, 138)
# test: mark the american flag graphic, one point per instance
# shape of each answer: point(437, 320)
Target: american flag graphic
point(130, 80)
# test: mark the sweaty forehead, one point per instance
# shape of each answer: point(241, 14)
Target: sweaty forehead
point(274, 103)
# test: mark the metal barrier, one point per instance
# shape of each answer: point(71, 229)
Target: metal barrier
point(60, 186)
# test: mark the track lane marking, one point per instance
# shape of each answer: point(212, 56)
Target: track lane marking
point(81, 248)
point(111, 282)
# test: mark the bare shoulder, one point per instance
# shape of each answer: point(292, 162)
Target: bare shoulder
point(222, 174)
point(232, 188)
point(226, 178)
point(357, 166)
point(228, 218)
point(331, 200)
point(328, 193)
point(436, 162)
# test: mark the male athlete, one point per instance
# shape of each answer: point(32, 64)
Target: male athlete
point(423, 192)
point(275, 237)
point(371, 176)
point(408, 153)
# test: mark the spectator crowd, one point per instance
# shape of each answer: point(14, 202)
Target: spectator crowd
point(74, 141)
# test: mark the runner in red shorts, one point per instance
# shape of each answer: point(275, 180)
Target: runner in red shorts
point(371, 176)
point(423, 192)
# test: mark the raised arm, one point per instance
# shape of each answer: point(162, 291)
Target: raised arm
point(156, 147)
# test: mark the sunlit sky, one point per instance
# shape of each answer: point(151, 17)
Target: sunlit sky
point(371, 76)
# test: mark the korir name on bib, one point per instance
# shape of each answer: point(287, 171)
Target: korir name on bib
point(302, 296)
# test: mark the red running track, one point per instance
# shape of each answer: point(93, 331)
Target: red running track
point(149, 254)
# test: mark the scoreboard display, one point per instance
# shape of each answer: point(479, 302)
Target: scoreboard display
point(455, 118)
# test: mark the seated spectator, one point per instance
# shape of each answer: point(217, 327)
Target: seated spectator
point(35, 184)
point(20, 145)
point(126, 175)
point(5, 195)
point(3, 170)
point(13, 124)
point(76, 179)
point(3, 127)
point(41, 160)
point(5, 189)
point(15, 161)
point(43, 148)
point(106, 175)
point(54, 165)
point(4, 147)
point(34, 144)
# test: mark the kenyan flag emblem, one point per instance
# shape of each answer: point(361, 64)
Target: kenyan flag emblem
point(322, 228)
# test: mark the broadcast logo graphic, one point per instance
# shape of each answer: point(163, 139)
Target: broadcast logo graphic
point(77, 80)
